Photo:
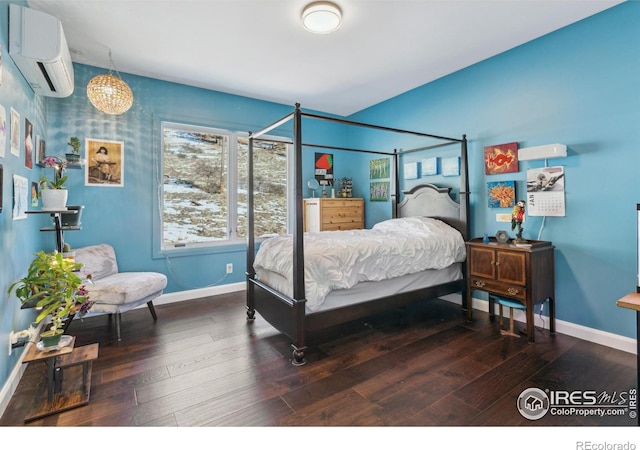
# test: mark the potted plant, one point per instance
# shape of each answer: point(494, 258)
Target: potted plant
point(53, 194)
point(52, 287)
point(74, 156)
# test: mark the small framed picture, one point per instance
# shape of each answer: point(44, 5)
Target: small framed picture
point(379, 191)
point(501, 194)
point(40, 148)
point(104, 163)
point(411, 171)
point(379, 168)
point(450, 166)
point(429, 166)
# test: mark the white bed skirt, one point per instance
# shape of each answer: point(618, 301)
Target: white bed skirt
point(370, 290)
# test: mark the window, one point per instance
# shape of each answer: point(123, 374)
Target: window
point(199, 165)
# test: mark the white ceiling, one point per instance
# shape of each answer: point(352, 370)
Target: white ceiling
point(259, 49)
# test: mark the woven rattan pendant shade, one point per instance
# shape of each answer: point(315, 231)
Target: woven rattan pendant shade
point(109, 93)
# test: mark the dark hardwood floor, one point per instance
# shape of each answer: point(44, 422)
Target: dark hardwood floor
point(201, 364)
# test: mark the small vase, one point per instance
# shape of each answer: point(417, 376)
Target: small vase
point(51, 339)
point(54, 199)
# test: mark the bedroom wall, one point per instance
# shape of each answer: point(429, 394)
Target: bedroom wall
point(19, 239)
point(579, 87)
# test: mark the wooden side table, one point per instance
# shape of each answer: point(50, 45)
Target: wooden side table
point(62, 394)
point(632, 301)
point(523, 274)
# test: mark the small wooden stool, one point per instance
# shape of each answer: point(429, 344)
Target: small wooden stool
point(511, 304)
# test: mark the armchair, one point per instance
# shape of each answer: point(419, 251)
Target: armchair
point(116, 292)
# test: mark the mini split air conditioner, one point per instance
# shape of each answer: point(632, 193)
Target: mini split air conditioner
point(39, 49)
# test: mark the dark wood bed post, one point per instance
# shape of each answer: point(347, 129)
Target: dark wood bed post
point(465, 213)
point(251, 242)
point(395, 194)
point(298, 331)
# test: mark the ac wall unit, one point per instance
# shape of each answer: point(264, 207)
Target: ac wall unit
point(39, 48)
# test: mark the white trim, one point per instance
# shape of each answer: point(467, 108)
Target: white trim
point(12, 382)
point(198, 293)
point(605, 338)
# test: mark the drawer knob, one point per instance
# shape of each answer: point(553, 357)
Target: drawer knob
point(480, 284)
point(512, 291)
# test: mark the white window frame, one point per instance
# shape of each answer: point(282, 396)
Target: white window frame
point(232, 239)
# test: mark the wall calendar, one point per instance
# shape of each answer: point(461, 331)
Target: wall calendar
point(545, 192)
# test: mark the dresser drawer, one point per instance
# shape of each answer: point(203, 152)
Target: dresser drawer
point(515, 291)
point(342, 226)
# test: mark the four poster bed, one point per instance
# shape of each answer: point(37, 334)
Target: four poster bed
point(349, 275)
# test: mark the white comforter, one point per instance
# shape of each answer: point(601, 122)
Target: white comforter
point(341, 259)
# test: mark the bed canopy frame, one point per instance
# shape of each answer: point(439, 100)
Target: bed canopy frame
point(287, 314)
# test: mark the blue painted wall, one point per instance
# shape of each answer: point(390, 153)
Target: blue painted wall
point(19, 239)
point(577, 86)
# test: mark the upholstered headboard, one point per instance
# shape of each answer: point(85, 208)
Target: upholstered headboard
point(433, 201)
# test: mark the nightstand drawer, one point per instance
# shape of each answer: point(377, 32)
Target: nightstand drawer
point(519, 292)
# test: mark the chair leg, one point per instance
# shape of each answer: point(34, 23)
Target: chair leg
point(511, 331)
point(152, 310)
point(118, 320)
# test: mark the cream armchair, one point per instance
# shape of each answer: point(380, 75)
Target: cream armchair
point(116, 292)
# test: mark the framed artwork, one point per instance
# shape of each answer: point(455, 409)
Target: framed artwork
point(501, 158)
point(379, 168)
point(411, 171)
point(104, 163)
point(3, 131)
point(324, 169)
point(28, 144)
point(41, 148)
point(429, 166)
point(34, 194)
point(379, 191)
point(20, 197)
point(15, 132)
point(501, 194)
point(450, 166)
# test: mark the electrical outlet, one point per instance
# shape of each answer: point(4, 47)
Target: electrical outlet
point(229, 268)
point(503, 217)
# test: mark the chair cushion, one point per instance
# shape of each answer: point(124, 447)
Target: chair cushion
point(97, 260)
point(510, 303)
point(125, 288)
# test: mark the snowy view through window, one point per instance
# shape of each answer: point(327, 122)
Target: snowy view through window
point(195, 194)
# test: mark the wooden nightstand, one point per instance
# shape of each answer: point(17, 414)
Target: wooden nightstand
point(524, 274)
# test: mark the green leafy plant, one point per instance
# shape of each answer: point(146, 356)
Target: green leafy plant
point(74, 142)
point(59, 166)
point(53, 288)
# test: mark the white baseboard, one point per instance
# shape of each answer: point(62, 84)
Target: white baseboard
point(12, 383)
point(199, 293)
point(607, 339)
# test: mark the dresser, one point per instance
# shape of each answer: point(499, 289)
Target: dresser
point(524, 274)
point(331, 214)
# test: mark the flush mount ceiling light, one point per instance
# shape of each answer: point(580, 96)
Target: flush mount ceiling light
point(321, 17)
point(109, 93)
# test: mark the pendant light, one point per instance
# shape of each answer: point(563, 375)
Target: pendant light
point(109, 93)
